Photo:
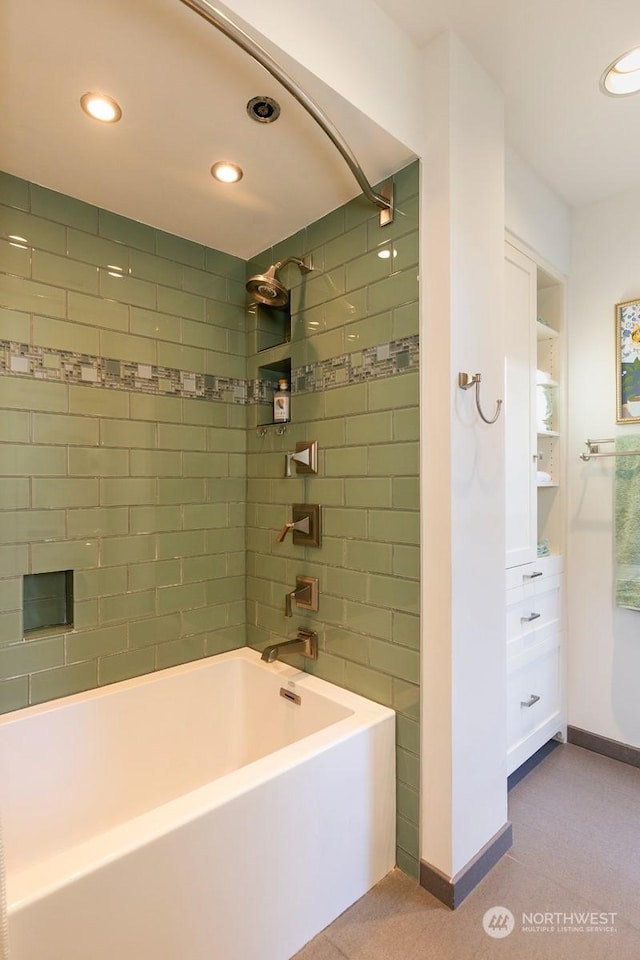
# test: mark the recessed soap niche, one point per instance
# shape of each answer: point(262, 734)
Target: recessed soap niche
point(47, 602)
point(272, 372)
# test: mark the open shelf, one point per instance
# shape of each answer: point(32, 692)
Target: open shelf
point(273, 326)
point(271, 373)
point(545, 332)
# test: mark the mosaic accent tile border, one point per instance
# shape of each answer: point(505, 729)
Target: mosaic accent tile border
point(63, 366)
point(40, 363)
point(373, 363)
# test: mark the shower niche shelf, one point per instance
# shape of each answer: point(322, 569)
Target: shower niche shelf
point(268, 375)
point(273, 326)
point(47, 603)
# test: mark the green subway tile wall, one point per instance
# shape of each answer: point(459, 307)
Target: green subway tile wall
point(166, 506)
point(121, 486)
point(367, 482)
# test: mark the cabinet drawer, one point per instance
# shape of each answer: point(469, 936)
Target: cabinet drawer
point(536, 573)
point(534, 588)
point(533, 691)
point(527, 641)
point(529, 613)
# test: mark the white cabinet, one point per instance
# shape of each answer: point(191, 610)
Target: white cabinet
point(533, 701)
point(535, 657)
point(534, 305)
point(519, 407)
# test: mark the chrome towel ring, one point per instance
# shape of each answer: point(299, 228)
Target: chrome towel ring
point(465, 381)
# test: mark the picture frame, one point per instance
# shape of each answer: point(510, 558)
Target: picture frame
point(627, 334)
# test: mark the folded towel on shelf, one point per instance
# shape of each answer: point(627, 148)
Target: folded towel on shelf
point(627, 524)
point(543, 477)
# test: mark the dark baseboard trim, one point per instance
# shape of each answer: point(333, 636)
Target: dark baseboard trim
point(452, 891)
point(608, 748)
point(531, 763)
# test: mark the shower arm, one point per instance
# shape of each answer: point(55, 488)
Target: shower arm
point(204, 9)
point(305, 264)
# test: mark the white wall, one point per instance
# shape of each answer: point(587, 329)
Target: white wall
point(604, 652)
point(535, 214)
point(463, 789)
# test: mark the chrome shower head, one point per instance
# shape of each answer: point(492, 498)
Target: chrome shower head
point(266, 288)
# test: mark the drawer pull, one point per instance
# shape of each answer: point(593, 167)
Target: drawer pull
point(530, 702)
point(532, 576)
point(532, 616)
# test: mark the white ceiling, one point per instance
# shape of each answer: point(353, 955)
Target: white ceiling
point(548, 57)
point(183, 88)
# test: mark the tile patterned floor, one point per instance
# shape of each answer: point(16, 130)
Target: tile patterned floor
point(576, 849)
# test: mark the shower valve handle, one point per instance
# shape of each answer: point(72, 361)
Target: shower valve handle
point(305, 458)
point(301, 595)
point(302, 525)
point(305, 595)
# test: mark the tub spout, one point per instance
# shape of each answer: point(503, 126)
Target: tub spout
point(305, 643)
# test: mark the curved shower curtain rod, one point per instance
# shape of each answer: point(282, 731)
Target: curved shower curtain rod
point(384, 199)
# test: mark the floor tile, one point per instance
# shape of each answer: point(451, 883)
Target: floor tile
point(320, 948)
point(398, 919)
point(576, 785)
point(527, 895)
point(601, 863)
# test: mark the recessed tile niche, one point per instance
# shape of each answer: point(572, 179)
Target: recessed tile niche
point(273, 326)
point(47, 601)
point(270, 374)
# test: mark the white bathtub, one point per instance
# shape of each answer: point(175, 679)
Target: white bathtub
point(193, 814)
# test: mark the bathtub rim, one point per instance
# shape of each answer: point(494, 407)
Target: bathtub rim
point(292, 676)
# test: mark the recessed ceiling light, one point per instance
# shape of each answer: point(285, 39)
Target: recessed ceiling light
point(226, 172)
point(622, 77)
point(101, 107)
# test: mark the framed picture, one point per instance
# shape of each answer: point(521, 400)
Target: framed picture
point(628, 361)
